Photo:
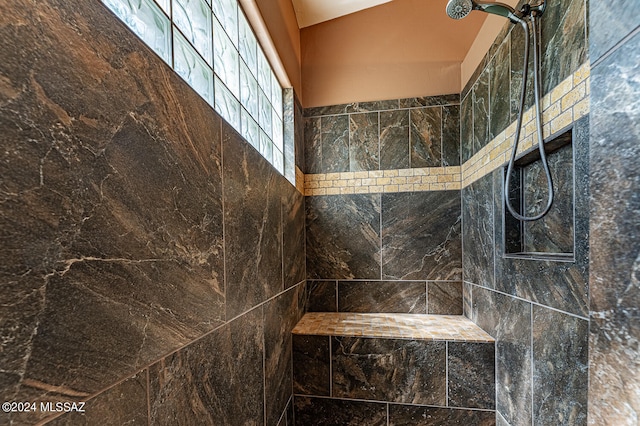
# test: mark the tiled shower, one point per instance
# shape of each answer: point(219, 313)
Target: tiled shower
point(156, 266)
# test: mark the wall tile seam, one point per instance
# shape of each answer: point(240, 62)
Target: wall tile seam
point(183, 347)
point(531, 302)
point(496, 153)
point(377, 401)
point(443, 105)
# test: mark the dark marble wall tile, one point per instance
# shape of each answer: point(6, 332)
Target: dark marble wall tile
point(560, 371)
point(451, 135)
point(407, 297)
point(615, 236)
point(554, 232)
point(564, 43)
point(394, 139)
point(558, 284)
point(411, 415)
point(125, 403)
point(467, 299)
point(411, 371)
point(311, 365)
point(609, 22)
point(425, 137)
point(334, 138)
point(364, 145)
point(466, 128)
point(293, 237)
point(481, 109)
point(508, 320)
point(280, 316)
point(312, 145)
point(421, 236)
point(517, 65)
point(253, 228)
point(216, 381)
point(500, 421)
point(111, 203)
point(343, 237)
point(444, 297)
point(471, 375)
point(322, 296)
point(426, 101)
point(336, 412)
point(478, 232)
point(500, 93)
point(372, 106)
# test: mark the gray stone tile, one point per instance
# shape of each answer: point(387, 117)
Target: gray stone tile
point(425, 137)
point(336, 412)
point(444, 298)
point(421, 236)
point(382, 296)
point(471, 375)
point(311, 365)
point(411, 371)
point(394, 139)
point(343, 237)
point(364, 144)
point(560, 368)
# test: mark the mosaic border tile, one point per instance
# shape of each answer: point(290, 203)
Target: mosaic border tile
point(565, 104)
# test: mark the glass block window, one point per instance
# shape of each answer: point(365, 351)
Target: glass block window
point(210, 44)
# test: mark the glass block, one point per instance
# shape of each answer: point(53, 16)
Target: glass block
point(264, 118)
point(266, 147)
point(264, 73)
point(278, 160)
point(227, 13)
point(277, 132)
point(190, 66)
point(276, 95)
point(147, 21)
point(165, 5)
point(248, 44)
point(193, 18)
point(226, 105)
point(248, 90)
point(250, 129)
point(226, 61)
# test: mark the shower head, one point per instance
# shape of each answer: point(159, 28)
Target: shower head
point(458, 9)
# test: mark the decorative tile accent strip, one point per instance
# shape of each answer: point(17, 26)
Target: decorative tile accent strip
point(565, 104)
point(383, 181)
point(394, 326)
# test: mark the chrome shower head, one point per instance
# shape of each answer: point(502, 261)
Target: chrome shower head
point(458, 9)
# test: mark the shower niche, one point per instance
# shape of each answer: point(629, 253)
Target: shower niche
point(552, 236)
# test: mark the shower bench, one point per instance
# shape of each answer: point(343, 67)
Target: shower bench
point(374, 368)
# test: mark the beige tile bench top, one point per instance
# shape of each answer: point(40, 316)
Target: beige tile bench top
point(455, 328)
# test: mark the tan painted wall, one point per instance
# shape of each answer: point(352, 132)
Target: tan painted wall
point(280, 19)
point(400, 49)
point(486, 36)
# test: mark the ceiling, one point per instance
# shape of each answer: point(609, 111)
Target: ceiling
point(311, 12)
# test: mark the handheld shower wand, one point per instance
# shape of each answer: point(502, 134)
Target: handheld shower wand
point(458, 9)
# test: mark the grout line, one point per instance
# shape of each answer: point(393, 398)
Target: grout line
point(148, 398)
point(406, 404)
point(615, 48)
point(530, 301)
point(446, 373)
point(532, 366)
point(330, 366)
